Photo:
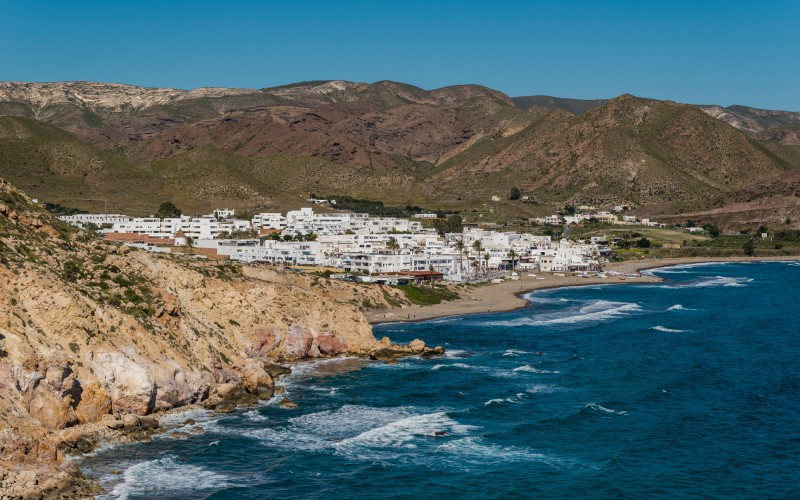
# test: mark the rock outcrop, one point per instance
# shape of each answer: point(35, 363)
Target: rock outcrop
point(92, 334)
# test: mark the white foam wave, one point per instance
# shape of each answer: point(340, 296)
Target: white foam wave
point(456, 353)
point(167, 477)
point(664, 329)
point(531, 369)
point(679, 307)
point(456, 365)
point(476, 451)
point(595, 312)
point(255, 416)
point(540, 389)
point(603, 409)
point(402, 433)
point(511, 353)
point(711, 281)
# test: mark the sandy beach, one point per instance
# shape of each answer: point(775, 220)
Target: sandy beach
point(507, 296)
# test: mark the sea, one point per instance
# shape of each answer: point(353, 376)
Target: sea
point(685, 388)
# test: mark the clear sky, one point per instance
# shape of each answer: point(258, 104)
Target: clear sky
point(721, 52)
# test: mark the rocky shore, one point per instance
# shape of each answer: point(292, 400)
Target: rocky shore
point(96, 340)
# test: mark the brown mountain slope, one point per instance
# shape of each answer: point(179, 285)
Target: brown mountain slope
point(447, 148)
point(628, 150)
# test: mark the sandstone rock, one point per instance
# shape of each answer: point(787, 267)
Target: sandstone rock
point(130, 421)
point(226, 407)
point(230, 392)
point(298, 342)
point(148, 423)
point(416, 345)
point(438, 350)
point(179, 435)
point(276, 371)
point(386, 342)
point(288, 404)
point(279, 389)
point(189, 421)
point(197, 430)
point(115, 425)
point(329, 345)
point(85, 445)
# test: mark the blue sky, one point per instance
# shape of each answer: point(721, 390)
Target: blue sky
point(721, 52)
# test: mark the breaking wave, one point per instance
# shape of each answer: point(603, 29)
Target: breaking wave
point(664, 329)
point(531, 369)
point(167, 477)
point(595, 312)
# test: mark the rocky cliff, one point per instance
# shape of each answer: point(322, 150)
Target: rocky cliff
point(91, 333)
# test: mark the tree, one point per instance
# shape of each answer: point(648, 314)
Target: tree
point(569, 209)
point(486, 258)
point(712, 229)
point(190, 244)
point(168, 210)
point(643, 243)
point(761, 229)
point(452, 224)
point(515, 194)
point(749, 247)
point(393, 245)
point(690, 223)
point(512, 255)
point(459, 245)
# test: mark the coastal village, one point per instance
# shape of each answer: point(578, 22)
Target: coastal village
point(357, 246)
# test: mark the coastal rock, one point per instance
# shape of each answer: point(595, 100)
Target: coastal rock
point(276, 371)
point(189, 421)
point(179, 435)
point(148, 423)
point(298, 342)
point(288, 404)
point(197, 430)
point(330, 345)
point(279, 389)
point(225, 407)
point(416, 346)
point(386, 342)
point(115, 425)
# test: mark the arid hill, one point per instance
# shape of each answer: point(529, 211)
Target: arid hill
point(455, 147)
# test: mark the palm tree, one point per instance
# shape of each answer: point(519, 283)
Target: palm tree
point(478, 247)
point(393, 245)
point(190, 244)
point(486, 258)
point(512, 255)
point(459, 245)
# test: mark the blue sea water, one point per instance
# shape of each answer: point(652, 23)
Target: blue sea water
point(687, 388)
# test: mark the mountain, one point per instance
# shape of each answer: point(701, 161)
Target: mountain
point(453, 147)
point(549, 103)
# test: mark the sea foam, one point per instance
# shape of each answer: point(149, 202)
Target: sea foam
point(167, 477)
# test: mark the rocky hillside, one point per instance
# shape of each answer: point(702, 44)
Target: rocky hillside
point(453, 147)
point(94, 335)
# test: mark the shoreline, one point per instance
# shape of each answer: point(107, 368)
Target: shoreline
point(509, 295)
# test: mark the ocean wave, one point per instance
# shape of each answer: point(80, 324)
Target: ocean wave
point(540, 389)
point(457, 365)
point(323, 430)
point(255, 416)
point(679, 307)
point(531, 369)
point(457, 353)
point(511, 399)
point(402, 433)
point(711, 281)
point(477, 451)
point(664, 329)
point(167, 476)
point(602, 409)
point(595, 312)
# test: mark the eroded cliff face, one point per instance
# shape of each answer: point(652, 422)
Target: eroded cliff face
point(91, 332)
